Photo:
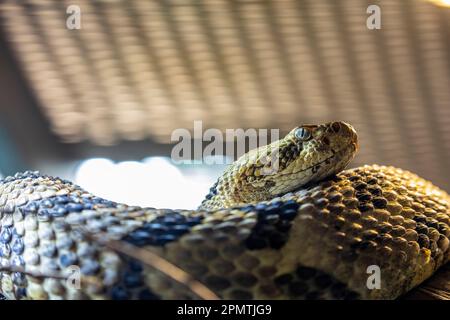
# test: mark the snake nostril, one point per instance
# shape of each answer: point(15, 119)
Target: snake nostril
point(326, 141)
point(336, 126)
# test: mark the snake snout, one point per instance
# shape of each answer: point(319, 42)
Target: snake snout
point(353, 135)
point(346, 130)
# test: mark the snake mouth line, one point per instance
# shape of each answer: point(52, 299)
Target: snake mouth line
point(334, 153)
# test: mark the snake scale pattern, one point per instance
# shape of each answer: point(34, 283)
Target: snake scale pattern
point(307, 230)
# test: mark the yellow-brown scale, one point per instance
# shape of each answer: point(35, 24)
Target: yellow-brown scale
point(366, 216)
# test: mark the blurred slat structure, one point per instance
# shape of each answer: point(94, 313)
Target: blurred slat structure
point(139, 69)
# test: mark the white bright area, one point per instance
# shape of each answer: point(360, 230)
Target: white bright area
point(153, 182)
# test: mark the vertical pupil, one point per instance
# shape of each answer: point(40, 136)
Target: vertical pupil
point(302, 133)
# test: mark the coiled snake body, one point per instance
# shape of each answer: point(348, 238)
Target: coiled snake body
point(279, 227)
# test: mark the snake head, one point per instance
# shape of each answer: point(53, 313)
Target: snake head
point(308, 153)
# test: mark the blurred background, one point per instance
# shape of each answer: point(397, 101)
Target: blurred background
point(97, 105)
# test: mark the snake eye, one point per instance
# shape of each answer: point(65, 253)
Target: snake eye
point(302, 134)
